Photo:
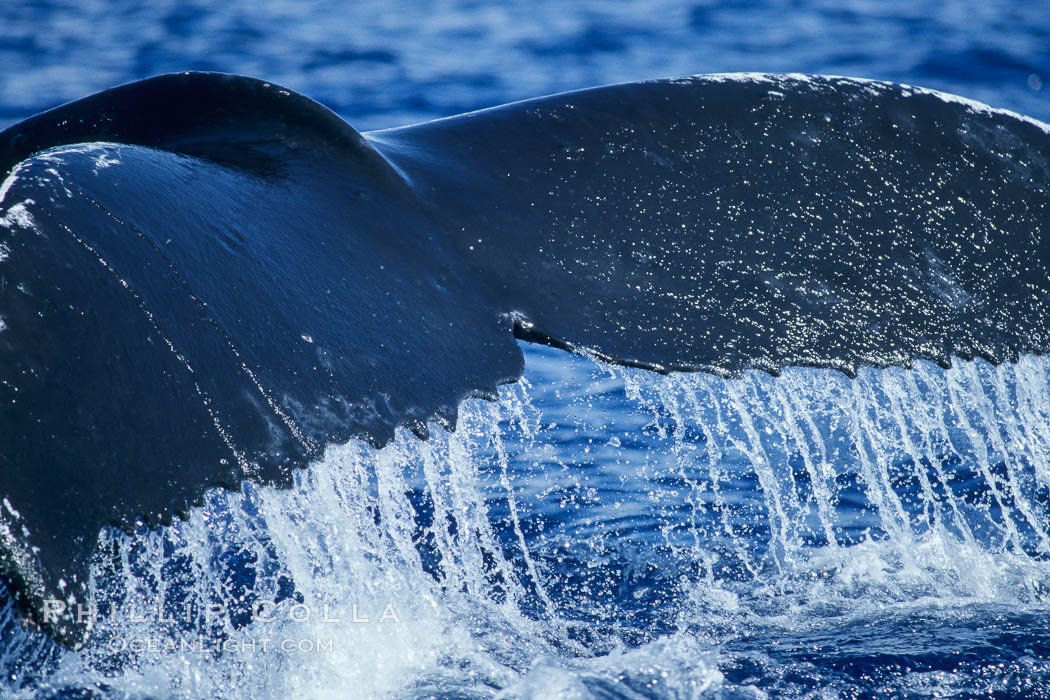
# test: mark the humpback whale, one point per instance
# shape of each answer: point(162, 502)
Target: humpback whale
point(206, 278)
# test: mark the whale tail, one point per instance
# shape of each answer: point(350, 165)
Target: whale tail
point(207, 278)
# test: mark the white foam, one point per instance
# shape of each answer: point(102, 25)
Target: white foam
point(18, 215)
point(9, 181)
point(348, 534)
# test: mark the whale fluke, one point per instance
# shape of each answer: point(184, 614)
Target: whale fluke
point(206, 279)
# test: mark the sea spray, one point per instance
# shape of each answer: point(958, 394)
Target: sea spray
point(598, 531)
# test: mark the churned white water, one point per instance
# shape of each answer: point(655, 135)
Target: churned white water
point(600, 532)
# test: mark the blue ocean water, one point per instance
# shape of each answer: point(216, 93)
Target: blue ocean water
point(597, 532)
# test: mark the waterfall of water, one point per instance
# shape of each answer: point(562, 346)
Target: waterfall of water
point(595, 530)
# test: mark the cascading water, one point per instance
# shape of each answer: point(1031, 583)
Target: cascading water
point(602, 532)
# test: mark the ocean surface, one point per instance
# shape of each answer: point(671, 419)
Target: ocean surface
point(597, 532)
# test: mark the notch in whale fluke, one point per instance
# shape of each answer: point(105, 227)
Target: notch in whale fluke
point(209, 278)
